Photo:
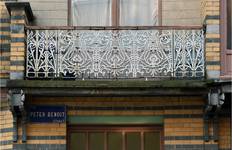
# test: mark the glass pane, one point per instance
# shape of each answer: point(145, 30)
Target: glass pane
point(229, 24)
point(114, 141)
point(91, 12)
point(133, 141)
point(78, 141)
point(151, 141)
point(96, 141)
point(132, 12)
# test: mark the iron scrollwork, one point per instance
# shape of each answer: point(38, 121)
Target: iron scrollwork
point(115, 53)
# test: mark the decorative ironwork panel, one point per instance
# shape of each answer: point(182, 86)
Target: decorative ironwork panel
point(115, 53)
point(188, 53)
point(41, 53)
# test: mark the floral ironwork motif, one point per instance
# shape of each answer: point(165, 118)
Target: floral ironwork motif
point(114, 53)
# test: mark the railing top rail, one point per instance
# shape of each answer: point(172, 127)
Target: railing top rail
point(114, 27)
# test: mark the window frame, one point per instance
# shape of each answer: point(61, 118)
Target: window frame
point(116, 128)
point(116, 12)
point(225, 52)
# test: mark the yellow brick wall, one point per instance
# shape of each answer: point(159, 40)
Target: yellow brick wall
point(224, 133)
point(4, 42)
point(123, 101)
point(18, 44)
point(173, 126)
point(184, 127)
point(180, 12)
point(43, 130)
point(210, 12)
point(6, 120)
point(6, 127)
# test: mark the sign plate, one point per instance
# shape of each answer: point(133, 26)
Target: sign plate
point(47, 114)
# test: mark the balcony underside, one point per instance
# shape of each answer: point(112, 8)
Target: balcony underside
point(111, 87)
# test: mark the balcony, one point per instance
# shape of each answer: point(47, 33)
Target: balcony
point(115, 53)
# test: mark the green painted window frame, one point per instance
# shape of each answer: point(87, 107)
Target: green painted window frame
point(123, 129)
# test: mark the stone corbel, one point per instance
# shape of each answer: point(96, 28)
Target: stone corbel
point(216, 99)
point(21, 5)
point(16, 99)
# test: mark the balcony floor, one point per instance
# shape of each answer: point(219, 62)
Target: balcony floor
point(111, 87)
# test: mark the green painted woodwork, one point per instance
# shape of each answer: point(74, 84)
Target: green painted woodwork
point(117, 120)
point(78, 140)
point(96, 141)
point(133, 141)
point(115, 141)
point(151, 141)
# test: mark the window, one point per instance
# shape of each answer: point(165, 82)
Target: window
point(226, 38)
point(114, 12)
point(91, 12)
point(115, 138)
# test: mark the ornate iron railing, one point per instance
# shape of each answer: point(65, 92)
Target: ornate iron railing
point(110, 53)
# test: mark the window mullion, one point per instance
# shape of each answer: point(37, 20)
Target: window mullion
point(118, 12)
point(114, 12)
point(142, 140)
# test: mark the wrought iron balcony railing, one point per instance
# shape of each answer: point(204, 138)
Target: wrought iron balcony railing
point(76, 52)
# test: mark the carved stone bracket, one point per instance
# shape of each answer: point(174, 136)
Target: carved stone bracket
point(216, 99)
point(16, 99)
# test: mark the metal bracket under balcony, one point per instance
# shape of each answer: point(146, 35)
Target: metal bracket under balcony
point(122, 54)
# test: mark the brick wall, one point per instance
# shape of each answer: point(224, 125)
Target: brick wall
point(6, 125)
point(5, 43)
point(224, 133)
point(183, 121)
point(43, 136)
point(211, 18)
point(180, 12)
point(17, 45)
point(6, 128)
